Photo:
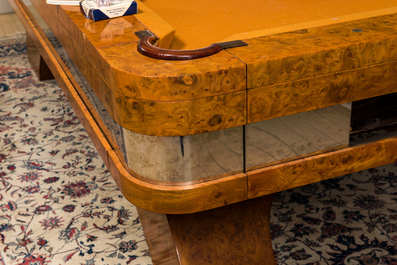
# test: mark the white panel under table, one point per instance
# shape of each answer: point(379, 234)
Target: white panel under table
point(297, 135)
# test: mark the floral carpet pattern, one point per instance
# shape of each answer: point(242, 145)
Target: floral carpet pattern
point(59, 204)
point(346, 220)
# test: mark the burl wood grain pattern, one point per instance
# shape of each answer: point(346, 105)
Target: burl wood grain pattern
point(173, 118)
point(321, 91)
point(180, 80)
point(318, 51)
point(130, 73)
point(234, 234)
point(180, 117)
point(287, 73)
point(318, 67)
point(321, 167)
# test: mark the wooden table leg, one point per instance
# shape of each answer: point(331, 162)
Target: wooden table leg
point(36, 61)
point(234, 234)
point(158, 237)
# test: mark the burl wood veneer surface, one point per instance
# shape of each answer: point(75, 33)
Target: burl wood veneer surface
point(314, 68)
point(200, 23)
point(322, 91)
point(269, 180)
point(144, 96)
point(312, 52)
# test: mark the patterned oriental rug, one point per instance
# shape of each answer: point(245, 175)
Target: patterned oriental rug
point(59, 204)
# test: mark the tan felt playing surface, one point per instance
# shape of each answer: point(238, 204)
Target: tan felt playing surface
point(200, 23)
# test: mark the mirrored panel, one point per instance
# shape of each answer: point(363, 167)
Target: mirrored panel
point(185, 158)
point(293, 136)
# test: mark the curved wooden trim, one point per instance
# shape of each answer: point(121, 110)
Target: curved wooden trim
point(146, 47)
point(320, 167)
point(177, 199)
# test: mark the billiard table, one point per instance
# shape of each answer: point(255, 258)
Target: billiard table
point(202, 110)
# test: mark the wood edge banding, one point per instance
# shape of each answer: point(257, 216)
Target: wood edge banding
point(320, 167)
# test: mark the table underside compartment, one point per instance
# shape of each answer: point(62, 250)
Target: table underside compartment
point(370, 114)
point(235, 150)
